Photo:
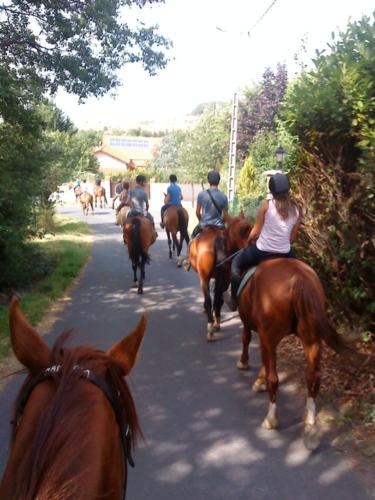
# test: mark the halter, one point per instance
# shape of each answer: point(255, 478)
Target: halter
point(52, 372)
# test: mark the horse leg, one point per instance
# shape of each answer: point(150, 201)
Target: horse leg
point(313, 353)
point(243, 363)
point(260, 385)
point(142, 276)
point(169, 243)
point(269, 361)
point(135, 280)
point(205, 286)
point(96, 201)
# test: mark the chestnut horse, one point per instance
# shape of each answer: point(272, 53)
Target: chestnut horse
point(87, 201)
point(138, 235)
point(99, 192)
point(176, 220)
point(77, 192)
point(283, 297)
point(206, 250)
point(75, 422)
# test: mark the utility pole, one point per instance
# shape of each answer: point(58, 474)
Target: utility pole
point(232, 150)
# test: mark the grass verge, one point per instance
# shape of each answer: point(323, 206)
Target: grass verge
point(68, 249)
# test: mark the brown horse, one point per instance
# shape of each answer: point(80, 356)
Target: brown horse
point(283, 297)
point(75, 422)
point(206, 250)
point(99, 193)
point(138, 235)
point(176, 220)
point(122, 216)
point(77, 193)
point(87, 201)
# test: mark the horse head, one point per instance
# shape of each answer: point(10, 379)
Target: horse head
point(69, 396)
point(237, 233)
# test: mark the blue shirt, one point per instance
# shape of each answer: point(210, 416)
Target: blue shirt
point(174, 193)
point(210, 214)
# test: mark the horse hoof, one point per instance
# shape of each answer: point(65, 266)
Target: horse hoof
point(135, 284)
point(210, 337)
point(186, 265)
point(242, 366)
point(216, 327)
point(140, 291)
point(259, 385)
point(270, 423)
point(311, 437)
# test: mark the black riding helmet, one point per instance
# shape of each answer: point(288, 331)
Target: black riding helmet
point(279, 184)
point(213, 177)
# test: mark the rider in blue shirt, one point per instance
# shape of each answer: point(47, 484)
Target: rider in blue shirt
point(174, 197)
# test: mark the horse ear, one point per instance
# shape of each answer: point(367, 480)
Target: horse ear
point(28, 346)
point(125, 352)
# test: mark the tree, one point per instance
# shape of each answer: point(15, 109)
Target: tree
point(77, 45)
point(259, 108)
point(331, 110)
point(167, 158)
point(206, 145)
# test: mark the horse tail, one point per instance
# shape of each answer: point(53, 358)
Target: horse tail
point(136, 251)
point(311, 316)
point(182, 226)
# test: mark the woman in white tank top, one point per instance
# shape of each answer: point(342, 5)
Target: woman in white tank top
point(275, 228)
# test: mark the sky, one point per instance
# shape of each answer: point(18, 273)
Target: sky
point(210, 64)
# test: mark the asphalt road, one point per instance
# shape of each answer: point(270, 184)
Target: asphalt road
point(199, 416)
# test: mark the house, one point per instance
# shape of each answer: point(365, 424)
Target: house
point(121, 153)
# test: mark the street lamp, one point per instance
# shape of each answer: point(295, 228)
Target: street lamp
point(280, 154)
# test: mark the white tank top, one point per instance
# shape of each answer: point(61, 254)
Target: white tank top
point(275, 234)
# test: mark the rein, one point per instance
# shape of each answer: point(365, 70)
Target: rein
point(52, 372)
point(229, 258)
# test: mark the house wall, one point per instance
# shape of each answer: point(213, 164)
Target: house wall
point(109, 164)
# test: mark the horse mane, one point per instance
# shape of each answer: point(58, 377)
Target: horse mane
point(45, 464)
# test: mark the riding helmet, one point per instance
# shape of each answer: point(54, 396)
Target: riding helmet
point(213, 177)
point(279, 184)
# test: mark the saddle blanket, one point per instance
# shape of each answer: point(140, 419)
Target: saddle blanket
point(245, 279)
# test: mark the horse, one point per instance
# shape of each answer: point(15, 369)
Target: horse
point(283, 297)
point(138, 235)
point(75, 423)
point(77, 192)
point(176, 219)
point(99, 192)
point(87, 201)
point(207, 250)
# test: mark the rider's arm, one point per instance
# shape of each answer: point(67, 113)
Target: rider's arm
point(259, 221)
point(181, 196)
point(198, 211)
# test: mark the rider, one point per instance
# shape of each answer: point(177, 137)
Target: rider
point(77, 183)
point(84, 186)
point(212, 205)
point(118, 189)
point(174, 197)
point(138, 200)
point(124, 197)
point(97, 181)
point(275, 227)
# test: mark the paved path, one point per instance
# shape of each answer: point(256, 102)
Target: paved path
point(199, 416)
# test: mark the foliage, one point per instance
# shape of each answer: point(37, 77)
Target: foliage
point(167, 159)
point(331, 110)
point(51, 266)
point(205, 146)
point(259, 107)
point(76, 45)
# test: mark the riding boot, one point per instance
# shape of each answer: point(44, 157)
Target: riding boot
point(231, 299)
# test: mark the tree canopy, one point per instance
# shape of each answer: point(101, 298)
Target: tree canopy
point(75, 44)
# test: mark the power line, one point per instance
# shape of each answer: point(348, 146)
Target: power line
point(261, 17)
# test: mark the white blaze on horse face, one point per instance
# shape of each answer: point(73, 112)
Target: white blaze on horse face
point(310, 412)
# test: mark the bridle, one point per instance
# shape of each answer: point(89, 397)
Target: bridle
point(54, 372)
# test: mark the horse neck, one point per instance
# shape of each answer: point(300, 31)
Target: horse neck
point(236, 235)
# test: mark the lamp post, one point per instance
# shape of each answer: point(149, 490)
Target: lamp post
point(280, 155)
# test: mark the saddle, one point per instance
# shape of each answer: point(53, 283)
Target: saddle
point(245, 279)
